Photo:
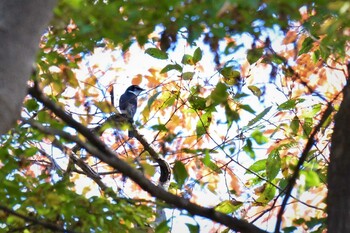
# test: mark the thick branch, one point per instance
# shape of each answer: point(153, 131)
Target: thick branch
point(109, 157)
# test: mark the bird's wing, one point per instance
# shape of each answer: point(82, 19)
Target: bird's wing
point(128, 104)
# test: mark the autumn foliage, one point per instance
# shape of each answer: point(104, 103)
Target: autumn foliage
point(231, 108)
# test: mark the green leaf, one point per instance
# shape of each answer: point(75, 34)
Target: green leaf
point(197, 55)
point(255, 90)
point(169, 67)
point(289, 229)
point(187, 75)
point(152, 99)
point(210, 164)
point(180, 173)
point(247, 108)
point(259, 137)
point(160, 127)
point(187, 60)
point(258, 166)
point(203, 124)
point(228, 206)
point(278, 59)
point(307, 126)
point(254, 55)
point(30, 151)
point(273, 165)
point(247, 148)
point(306, 46)
point(197, 102)
point(219, 94)
point(267, 195)
point(294, 125)
point(259, 116)
point(156, 53)
point(290, 104)
point(162, 227)
point(230, 76)
point(193, 228)
point(231, 115)
point(311, 178)
point(31, 105)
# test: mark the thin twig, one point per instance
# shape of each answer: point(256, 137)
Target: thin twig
point(100, 150)
point(301, 161)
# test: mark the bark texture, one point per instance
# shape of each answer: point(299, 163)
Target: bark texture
point(339, 170)
point(21, 24)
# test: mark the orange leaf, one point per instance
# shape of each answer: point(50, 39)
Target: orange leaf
point(290, 37)
point(137, 80)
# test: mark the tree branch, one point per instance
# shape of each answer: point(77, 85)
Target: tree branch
point(301, 161)
point(102, 152)
point(47, 225)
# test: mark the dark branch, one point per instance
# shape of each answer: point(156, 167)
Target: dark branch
point(47, 225)
point(301, 161)
point(110, 158)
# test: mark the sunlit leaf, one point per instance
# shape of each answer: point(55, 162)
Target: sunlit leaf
point(210, 164)
point(152, 99)
point(219, 94)
point(259, 138)
point(203, 124)
point(248, 148)
point(290, 104)
point(273, 165)
point(267, 194)
point(187, 60)
point(228, 206)
point(169, 67)
point(160, 127)
point(156, 53)
point(197, 102)
point(294, 125)
point(306, 45)
point(104, 106)
point(259, 116)
point(148, 169)
point(162, 227)
point(311, 178)
point(254, 55)
point(136, 80)
point(70, 77)
point(231, 115)
point(278, 59)
point(187, 75)
point(230, 76)
point(180, 173)
point(247, 108)
point(255, 90)
point(258, 166)
point(197, 55)
point(307, 126)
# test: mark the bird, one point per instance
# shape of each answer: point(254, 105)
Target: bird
point(128, 104)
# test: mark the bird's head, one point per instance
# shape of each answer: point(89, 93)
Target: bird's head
point(135, 89)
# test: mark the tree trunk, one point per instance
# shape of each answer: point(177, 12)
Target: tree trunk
point(21, 24)
point(339, 170)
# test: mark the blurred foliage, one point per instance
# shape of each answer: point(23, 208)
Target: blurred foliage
point(226, 130)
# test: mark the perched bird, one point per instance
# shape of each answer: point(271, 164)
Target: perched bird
point(128, 103)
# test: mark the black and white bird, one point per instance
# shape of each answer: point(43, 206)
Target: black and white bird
point(128, 103)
